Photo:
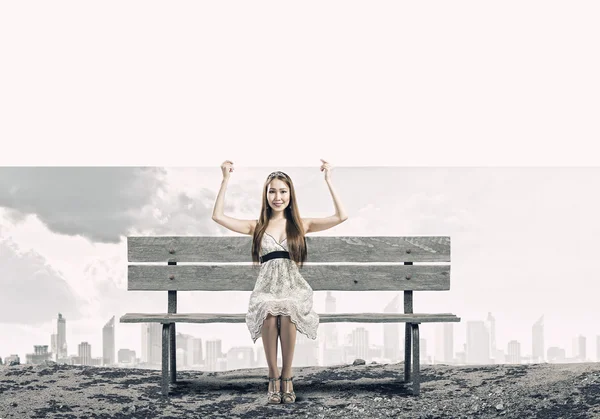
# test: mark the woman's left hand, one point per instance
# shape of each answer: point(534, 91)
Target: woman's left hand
point(327, 168)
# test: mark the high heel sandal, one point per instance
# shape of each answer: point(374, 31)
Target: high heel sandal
point(288, 396)
point(274, 397)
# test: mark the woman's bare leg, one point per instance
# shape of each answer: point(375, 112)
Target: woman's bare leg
point(288, 344)
point(269, 338)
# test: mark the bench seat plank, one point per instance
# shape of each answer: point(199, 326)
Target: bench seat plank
point(323, 318)
point(320, 277)
point(320, 248)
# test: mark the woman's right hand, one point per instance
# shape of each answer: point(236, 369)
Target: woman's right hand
point(227, 168)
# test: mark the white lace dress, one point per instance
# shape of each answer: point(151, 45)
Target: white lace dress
point(281, 290)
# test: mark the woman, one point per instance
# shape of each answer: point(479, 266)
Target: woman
point(281, 300)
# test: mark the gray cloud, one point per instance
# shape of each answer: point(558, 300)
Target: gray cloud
point(100, 203)
point(31, 291)
point(187, 214)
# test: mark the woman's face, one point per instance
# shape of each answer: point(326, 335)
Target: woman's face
point(278, 193)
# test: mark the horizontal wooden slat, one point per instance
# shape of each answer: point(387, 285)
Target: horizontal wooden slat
point(320, 249)
point(323, 318)
point(320, 277)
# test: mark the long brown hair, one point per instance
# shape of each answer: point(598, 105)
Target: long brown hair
point(294, 229)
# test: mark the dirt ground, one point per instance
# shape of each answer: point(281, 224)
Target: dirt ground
point(345, 391)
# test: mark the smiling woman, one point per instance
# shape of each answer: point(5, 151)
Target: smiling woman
point(281, 302)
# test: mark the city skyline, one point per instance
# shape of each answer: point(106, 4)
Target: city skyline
point(481, 347)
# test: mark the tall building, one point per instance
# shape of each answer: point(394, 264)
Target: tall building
point(240, 358)
point(391, 333)
point(423, 356)
point(54, 346)
point(108, 342)
point(213, 353)
point(579, 348)
point(360, 343)
point(478, 343)
point(197, 357)
point(185, 342)
point(537, 341)
point(61, 339)
point(85, 353)
point(514, 352)
point(330, 329)
point(152, 343)
point(491, 325)
point(444, 343)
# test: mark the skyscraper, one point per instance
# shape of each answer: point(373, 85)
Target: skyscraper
point(423, 351)
point(391, 333)
point(329, 329)
point(61, 340)
point(537, 341)
point(152, 343)
point(478, 343)
point(444, 343)
point(197, 357)
point(579, 348)
point(213, 353)
point(108, 342)
point(54, 346)
point(85, 353)
point(514, 352)
point(491, 324)
point(185, 342)
point(360, 343)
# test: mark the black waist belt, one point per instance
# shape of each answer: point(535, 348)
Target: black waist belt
point(275, 255)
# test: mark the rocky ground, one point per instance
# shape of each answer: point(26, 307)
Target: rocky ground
point(348, 391)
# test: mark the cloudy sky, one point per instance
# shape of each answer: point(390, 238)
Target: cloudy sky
point(524, 244)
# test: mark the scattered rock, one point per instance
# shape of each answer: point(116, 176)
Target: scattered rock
point(49, 363)
point(500, 406)
point(359, 361)
point(13, 363)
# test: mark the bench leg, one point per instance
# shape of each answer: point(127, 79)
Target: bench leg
point(173, 353)
point(416, 379)
point(165, 360)
point(407, 346)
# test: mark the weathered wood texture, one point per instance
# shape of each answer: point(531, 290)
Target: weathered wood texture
point(323, 318)
point(320, 249)
point(320, 277)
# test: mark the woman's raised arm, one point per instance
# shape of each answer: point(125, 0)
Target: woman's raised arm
point(233, 224)
point(320, 224)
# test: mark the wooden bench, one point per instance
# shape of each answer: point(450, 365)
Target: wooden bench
point(321, 249)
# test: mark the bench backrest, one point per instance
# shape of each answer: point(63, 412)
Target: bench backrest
point(352, 263)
